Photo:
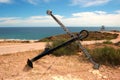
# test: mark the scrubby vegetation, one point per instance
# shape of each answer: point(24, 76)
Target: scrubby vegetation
point(103, 54)
point(68, 50)
point(93, 35)
point(106, 55)
point(107, 42)
point(117, 44)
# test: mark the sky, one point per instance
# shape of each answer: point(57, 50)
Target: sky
point(32, 13)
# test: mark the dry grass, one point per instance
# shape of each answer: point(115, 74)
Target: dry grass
point(93, 35)
point(107, 55)
point(68, 50)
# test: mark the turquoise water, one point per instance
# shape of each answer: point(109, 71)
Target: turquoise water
point(36, 33)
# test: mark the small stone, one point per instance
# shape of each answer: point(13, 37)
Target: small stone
point(100, 75)
point(104, 77)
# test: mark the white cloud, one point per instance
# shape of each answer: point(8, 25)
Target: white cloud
point(88, 3)
point(30, 21)
point(38, 17)
point(9, 18)
point(96, 18)
point(35, 2)
point(100, 12)
point(83, 14)
point(5, 1)
point(118, 11)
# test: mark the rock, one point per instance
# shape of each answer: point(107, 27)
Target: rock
point(95, 72)
point(67, 77)
point(104, 77)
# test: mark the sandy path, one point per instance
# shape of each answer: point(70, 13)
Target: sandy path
point(14, 48)
point(6, 49)
point(101, 41)
point(117, 39)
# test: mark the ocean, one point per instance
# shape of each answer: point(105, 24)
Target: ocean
point(36, 33)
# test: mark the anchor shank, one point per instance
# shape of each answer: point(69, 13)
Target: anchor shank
point(62, 25)
point(57, 47)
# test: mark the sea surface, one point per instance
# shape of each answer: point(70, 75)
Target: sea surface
point(36, 33)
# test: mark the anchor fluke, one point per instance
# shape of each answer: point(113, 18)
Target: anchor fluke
point(29, 63)
point(96, 66)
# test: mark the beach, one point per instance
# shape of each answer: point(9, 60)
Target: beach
point(13, 57)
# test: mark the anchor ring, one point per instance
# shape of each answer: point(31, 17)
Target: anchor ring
point(84, 34)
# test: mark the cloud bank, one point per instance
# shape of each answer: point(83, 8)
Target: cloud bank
point(35, 2)
point(83, 3)
point(5, 1)
point(88, 3)
point(96, 18)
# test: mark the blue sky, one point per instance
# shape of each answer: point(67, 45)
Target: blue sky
point(28, 13)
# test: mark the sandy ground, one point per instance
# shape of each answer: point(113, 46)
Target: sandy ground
point(20, 47)
point(13, 66)
point(117, 39)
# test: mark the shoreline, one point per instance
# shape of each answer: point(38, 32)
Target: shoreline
point(18, 40)
point(35, 40)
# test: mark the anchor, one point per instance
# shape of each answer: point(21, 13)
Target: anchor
point(95, 65)
point(47, 51)
point(83, 34)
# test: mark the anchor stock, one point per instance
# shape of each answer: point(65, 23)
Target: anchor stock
point(95, 65)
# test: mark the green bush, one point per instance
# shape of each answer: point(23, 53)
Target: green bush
point(69, 49)
point(107, 42)
point(106, 55)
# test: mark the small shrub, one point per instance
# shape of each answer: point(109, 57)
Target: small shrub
point(69, 49)
point(106, 55)
point(117, 44)
point(107, 42)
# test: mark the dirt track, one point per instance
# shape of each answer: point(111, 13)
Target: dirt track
point(14, 48)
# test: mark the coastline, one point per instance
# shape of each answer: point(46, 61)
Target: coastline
point(36, 33)
point(13, 57)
